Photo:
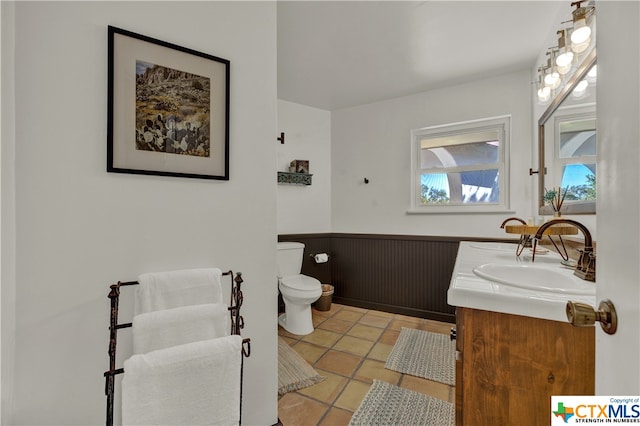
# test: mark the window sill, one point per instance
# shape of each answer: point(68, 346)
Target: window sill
point(459, 210)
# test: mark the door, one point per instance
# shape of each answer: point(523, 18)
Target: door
point(618, 195)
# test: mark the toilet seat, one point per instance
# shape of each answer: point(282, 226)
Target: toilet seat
point(300, 282)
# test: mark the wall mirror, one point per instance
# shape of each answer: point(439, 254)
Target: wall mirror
point(567, 143)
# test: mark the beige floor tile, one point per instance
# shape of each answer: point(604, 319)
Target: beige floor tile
point(343, 336)
point(352, 395)
point(437, 327)
point(327, 390)
point(374, 320)
point(317, 320)
point(427, 387)
point(338, 362)
point(356, 309)
point(334, 308)
point(289, 340)
point(397, 324)
point(372, 369)
point(389, 337)
point(296, 409)
point(310, 352)
point(336, 417)
point(348, 315)
point(354, 345)
point(322, 337)
point(339, 326)
point(365, 332)
point(407, 318)
point(380, 352)
point(381, 314)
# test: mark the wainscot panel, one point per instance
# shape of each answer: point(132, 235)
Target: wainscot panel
point(403, 274)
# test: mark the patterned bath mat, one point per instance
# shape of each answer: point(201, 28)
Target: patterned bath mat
point(424, 354)
point(293, 371)
point(387, 404)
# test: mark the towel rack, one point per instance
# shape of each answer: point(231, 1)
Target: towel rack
point(237, 324)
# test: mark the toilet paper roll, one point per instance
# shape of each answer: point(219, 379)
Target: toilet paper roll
point(321, 257)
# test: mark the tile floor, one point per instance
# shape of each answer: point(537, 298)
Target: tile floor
point(350, 346)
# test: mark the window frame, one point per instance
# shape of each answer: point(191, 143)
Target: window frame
point(502, 124)
point(570, 113)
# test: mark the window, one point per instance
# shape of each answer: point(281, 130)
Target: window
point(576, 157)
point(461, 167)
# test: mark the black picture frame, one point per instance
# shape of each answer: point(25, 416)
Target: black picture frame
point(168, 109)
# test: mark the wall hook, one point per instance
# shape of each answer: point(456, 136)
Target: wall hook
point(281, 138)
point(366, 180)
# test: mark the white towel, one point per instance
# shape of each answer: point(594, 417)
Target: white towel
point(166, 290)
point(193, 384)
point(178, 326)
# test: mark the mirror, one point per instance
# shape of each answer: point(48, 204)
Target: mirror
point(567, 145)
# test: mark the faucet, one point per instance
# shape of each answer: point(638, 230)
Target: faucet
point(525, 240)
point(586, 266)
point(510, 219)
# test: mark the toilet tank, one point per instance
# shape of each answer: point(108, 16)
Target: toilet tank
point(289, 258)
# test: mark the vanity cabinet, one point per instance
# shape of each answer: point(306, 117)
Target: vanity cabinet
point(509, 366)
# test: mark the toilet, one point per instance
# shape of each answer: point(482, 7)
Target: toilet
point(298, 291)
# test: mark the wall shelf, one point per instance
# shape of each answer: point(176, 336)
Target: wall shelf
point(294, 178)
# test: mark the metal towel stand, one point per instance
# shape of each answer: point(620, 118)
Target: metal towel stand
point(237, 324)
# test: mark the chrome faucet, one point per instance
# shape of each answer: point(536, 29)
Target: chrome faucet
point(586, 266)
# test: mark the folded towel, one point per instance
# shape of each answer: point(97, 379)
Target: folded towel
point(166, 290)
point(193, 384)
point(178, 326)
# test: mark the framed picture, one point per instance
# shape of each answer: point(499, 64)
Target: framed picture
point(168, 109)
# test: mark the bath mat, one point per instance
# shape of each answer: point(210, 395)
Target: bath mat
point(387, 404)
point(293, 371)
point(424, 354)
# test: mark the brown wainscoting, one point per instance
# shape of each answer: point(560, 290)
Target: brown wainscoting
point(403, 274)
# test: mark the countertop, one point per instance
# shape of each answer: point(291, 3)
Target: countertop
point(470, 291)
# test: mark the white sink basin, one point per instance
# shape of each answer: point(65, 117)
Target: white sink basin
point(535, 278)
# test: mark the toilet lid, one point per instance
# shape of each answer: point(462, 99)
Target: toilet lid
point(300, 282)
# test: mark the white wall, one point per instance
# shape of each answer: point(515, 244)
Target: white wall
point(373, 141)
point(305, 209)
point(8, 237)
point(78, 228)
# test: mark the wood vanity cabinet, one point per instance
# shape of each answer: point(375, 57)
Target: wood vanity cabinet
point(509, 366)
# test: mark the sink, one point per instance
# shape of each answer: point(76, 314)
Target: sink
point(535, 278)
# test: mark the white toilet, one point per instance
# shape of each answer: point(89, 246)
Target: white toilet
point(298, 291)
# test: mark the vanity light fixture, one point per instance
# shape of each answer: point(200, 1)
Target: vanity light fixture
point(565, 55)
point(581, 34)
point(573, 45)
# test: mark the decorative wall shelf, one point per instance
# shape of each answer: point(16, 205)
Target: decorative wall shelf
point(294, 178)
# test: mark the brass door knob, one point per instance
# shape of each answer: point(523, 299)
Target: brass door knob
point(583, 315)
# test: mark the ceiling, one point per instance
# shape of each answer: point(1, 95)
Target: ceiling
point(337, 54)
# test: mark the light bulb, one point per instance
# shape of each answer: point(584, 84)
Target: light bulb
point(552, 80)
point(564, 60)
point(581, 32)
point(544, 93)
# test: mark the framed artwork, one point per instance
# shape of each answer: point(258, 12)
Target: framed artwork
point(168, 109)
